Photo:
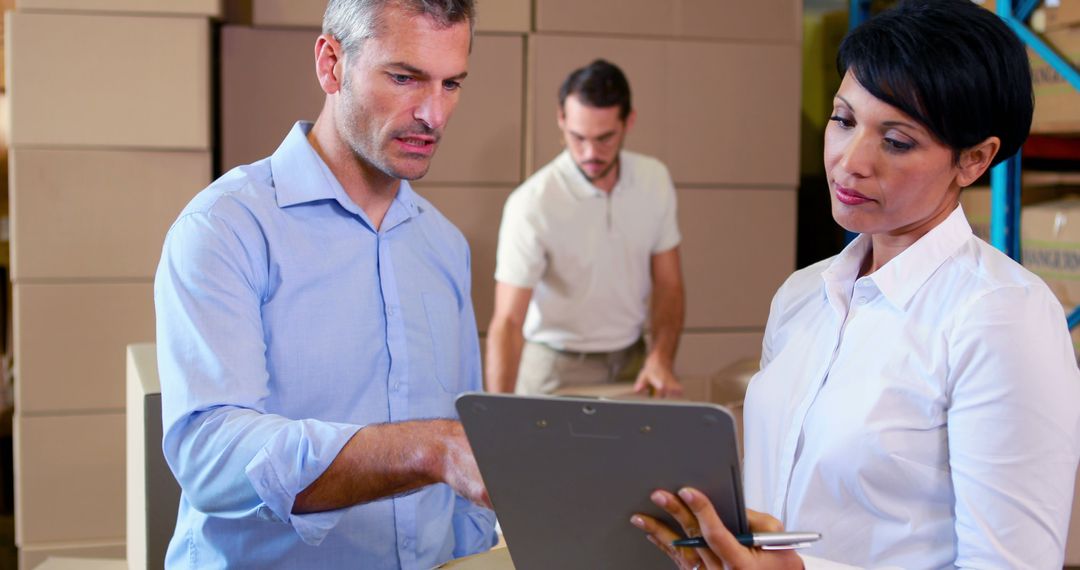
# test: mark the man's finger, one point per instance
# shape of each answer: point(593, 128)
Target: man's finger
point(641, 384)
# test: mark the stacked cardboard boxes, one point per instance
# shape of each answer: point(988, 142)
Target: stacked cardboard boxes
point(717, 93)
point(106, 153)
point(716, 86)
point(1056, 101)
point(110, 136)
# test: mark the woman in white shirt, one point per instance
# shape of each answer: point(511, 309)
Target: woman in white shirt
point(919, 399)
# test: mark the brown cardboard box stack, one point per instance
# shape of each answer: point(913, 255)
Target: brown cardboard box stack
point(976, 203)
point(1050, 239)
point(104, 154)
point(1058, 14)
point(1056, 101)
point(717, 88)
point(717, 93)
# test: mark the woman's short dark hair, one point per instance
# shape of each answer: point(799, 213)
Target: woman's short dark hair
point(599, 84)
point(953, 66)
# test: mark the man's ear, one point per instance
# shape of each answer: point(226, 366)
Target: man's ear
point(329, 63)
point(975, 160)
point(630, 119)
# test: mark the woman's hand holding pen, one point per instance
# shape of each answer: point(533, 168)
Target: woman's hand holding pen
point(695, 513)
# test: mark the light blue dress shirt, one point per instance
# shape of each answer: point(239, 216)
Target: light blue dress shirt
point(285, 323)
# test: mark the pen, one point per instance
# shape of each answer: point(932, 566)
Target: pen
point(766, 540)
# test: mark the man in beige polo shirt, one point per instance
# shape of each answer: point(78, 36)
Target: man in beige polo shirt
point(588, 252)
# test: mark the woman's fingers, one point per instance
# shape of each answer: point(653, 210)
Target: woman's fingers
point(719, 538)
point(678, 511)
point(662, 536)
point(761, 522)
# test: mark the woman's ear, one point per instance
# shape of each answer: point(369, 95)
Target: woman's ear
point(975, 159)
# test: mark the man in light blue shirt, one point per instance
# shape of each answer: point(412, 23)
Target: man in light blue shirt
point(315, 324)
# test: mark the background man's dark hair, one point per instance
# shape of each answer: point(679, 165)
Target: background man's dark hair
point(599, 84)
point(953, 66)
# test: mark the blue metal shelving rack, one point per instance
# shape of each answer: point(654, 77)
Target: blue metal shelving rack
point(1005, 177)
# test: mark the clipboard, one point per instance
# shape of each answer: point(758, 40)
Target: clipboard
point(566, 474)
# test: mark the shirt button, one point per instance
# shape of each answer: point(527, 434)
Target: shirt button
point(390, 311)
point(406, 543)
point(397, 386)
point(861, 301)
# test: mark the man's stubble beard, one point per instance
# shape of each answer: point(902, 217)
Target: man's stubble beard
point(368, 156)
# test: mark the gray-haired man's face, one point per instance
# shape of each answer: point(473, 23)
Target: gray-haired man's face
point(400, 89)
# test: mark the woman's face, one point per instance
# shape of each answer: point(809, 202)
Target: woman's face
point(887, 174)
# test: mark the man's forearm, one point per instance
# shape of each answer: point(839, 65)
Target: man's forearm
point(666, 326)
point(381, 461)
point(504, 345)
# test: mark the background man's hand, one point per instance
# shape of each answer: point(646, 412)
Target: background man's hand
point(658, 380)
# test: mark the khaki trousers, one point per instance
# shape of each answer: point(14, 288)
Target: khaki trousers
point(544, 369)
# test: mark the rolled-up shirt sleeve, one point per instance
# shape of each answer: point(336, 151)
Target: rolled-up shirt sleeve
point(232, 459)
point(474, 528)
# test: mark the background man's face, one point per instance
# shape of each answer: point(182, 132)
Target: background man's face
point(593, 135)
point(399, 90)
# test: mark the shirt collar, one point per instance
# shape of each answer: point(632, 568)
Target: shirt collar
point(903, 276)
point(301, 176)
point(579, 185)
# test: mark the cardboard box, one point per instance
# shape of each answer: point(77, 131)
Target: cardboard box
point(70, 341)
point(210, 8)
point(69, 478)
point(704, 354)
point(92, 214)
point(1050, 240)
point(738, 247)
point(110, 93)
point(481, 144)
point(1061, 14)
point(1057, 103)
point(492, 15)
point(712, 367)
point(254, 63)
point(977, 207)
point(760, 20)
point(103, 553)
point(724, 131)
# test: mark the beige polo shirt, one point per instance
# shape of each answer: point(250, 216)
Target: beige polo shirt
point(585, 253)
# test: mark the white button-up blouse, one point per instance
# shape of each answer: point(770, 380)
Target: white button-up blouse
point(924, 416)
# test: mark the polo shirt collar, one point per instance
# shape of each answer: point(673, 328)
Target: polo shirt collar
point(579, 185)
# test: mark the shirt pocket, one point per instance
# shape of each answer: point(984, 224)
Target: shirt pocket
point(444, 321)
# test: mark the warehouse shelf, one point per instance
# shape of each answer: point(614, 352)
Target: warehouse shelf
point(1005, 177)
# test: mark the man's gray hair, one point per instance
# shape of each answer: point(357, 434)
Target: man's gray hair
point(351, 22)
